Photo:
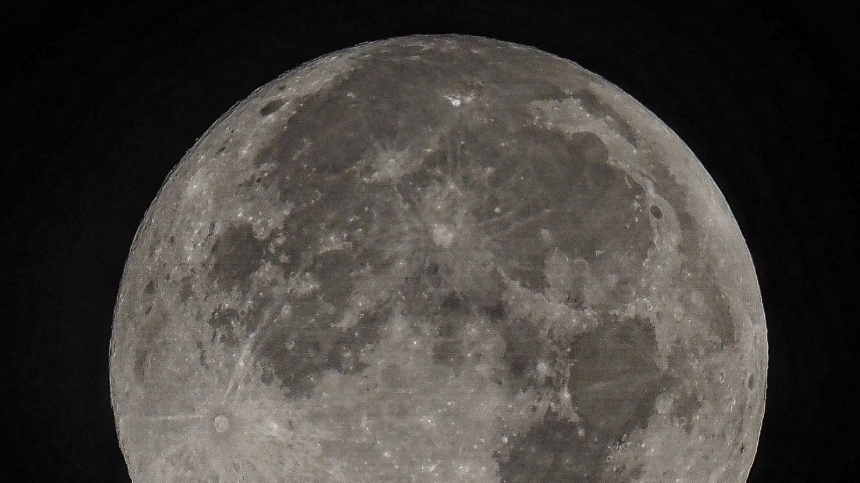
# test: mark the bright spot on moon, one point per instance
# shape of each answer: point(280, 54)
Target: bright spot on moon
point(439, 259)
point(443, 235)
point(222, 424)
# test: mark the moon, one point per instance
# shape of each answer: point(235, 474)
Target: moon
point(439, 258)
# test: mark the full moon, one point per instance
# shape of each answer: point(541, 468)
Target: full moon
point(439, 258)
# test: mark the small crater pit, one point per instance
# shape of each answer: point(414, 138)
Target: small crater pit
point(271, 107)
point(221, 423)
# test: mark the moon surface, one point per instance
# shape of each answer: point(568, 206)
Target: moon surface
point(439, 259)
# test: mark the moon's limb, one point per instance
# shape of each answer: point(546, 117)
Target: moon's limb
point(439, 258)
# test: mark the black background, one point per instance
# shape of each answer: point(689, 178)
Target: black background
point(99, 102)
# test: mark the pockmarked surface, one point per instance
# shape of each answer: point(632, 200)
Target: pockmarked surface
point(439, 259)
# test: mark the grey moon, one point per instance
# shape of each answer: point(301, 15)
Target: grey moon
point(439, 258)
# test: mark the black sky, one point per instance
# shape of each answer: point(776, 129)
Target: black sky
point(99, 102)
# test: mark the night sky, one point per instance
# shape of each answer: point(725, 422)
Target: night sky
point(100, 102)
